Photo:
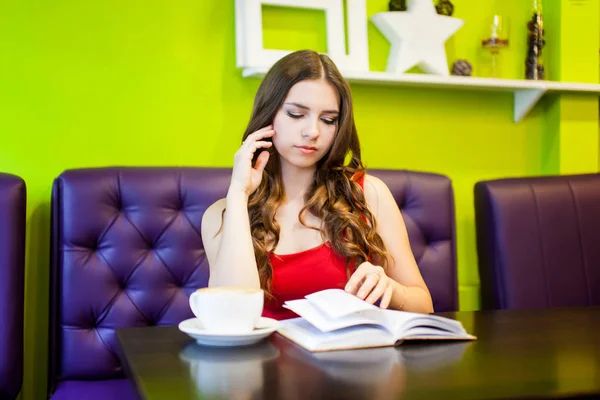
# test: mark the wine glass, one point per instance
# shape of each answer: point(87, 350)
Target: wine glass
point(496, 38)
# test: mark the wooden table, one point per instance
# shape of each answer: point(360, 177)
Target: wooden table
point(546, 353)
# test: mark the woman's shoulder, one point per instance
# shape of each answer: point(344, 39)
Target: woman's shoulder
point(374, 183)
point(370, 183)
point(377, 193)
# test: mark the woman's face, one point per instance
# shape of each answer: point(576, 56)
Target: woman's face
point(306, 124)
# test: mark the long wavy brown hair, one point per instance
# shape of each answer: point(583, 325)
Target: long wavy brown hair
point(334, 196)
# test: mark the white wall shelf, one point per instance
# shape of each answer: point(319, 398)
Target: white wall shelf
point(526, 93)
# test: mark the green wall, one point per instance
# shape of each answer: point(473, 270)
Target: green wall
point(154, 83)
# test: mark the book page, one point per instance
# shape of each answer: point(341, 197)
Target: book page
point(433, 333)
point(337, 303)
point(321, 321)
point(300, 331)
point(405, 324)
point(308, 336)
point(334, 309)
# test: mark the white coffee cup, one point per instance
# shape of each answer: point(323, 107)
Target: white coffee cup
point(227, 310)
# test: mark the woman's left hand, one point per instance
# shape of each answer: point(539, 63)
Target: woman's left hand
point(370, 283)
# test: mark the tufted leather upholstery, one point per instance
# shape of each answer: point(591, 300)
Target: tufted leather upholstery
point(12, 271)
point(127, 252)
point(537, 241)
point(427, 204)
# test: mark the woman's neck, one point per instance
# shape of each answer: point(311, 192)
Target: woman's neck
point(296, 181)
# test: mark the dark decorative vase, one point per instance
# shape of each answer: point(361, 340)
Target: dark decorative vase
point(534, 67)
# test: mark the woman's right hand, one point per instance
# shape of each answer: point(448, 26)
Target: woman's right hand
point(245, 176)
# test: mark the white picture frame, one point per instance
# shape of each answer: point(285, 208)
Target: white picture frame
point(250, 52)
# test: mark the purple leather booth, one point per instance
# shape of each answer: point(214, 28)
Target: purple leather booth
point(127, 252)
point(12, 271)
point(538, 241)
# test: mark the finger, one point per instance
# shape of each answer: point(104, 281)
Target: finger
point(261, 161)
point(370, 282)
point(264, 128)
point(260, 134)
point(357, 277)
point(387, 297)
point(263, 144)
point(378, 291)
point(257, 145)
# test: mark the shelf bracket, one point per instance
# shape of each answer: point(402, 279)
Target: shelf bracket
point(525, 100)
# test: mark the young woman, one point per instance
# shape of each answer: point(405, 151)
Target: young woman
point(301, 215)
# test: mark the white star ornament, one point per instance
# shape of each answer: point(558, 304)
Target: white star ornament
point(417, 37)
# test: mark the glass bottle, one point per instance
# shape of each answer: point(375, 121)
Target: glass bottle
point(534, 67)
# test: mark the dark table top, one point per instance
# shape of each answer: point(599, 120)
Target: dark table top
point(549, 353)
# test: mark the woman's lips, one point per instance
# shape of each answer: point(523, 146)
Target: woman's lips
point(307, 149)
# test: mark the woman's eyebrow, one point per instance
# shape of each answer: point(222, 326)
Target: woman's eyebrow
point(302, 106)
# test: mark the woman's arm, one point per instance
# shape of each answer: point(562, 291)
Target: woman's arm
point(406, 289)
point(229, 251)
point(226, 235)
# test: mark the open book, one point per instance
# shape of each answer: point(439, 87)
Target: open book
point(335, 320)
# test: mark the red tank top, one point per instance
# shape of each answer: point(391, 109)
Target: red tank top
point(300, 274)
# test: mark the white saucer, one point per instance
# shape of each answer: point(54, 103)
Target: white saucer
point(193, 327)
